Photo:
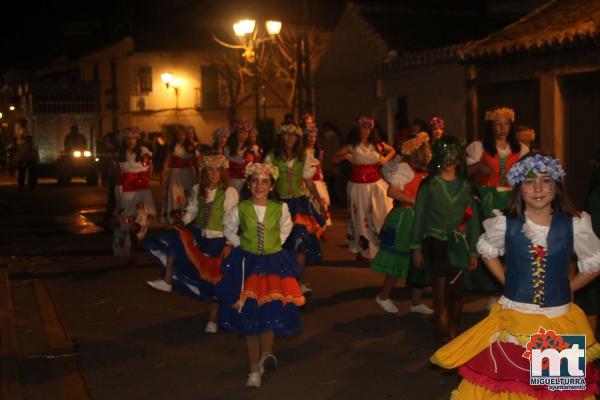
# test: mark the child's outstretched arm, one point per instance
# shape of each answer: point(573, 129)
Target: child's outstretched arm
point(343, 154)
point(496, 268)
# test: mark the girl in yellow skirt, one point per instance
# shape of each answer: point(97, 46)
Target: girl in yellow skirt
point(537, 236)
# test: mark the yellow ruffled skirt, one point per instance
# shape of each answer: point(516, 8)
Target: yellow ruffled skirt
point(508, 327)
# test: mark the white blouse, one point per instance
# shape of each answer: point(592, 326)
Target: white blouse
point(191, 211)
point(181, 152)
point(311, 164)
point(585, 244)
point(397, 173)
point(232, 223)
point(133, 166)
point(364, 155)
point(475, 151)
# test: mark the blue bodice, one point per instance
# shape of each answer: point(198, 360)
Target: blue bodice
point(537, 274)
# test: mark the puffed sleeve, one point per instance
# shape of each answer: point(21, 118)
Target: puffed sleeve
point(231, 223)
point(586, 244)
point(399, 175)
point(192, 208)
point(285, 224)
point(231, 199)
point(491, 243)
point(474, 152)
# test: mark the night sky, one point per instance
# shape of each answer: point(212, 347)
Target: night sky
point(31, 30)
point(35, 32)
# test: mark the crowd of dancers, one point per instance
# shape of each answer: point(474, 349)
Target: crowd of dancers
point(491, 216)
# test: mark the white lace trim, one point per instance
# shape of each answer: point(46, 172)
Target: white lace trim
point(590, 265)
point(528, 308)
point(538, 234)
point(488, 250)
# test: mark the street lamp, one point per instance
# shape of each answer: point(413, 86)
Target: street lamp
point(250, 38)
point(166, 77)
point(172, 81)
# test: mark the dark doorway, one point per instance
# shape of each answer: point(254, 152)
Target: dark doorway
point(581, 94)
point(522, 96)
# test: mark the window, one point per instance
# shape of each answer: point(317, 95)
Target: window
point(144, 79)
point(209, 86)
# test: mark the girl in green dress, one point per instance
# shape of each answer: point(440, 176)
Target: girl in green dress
point(404, 174)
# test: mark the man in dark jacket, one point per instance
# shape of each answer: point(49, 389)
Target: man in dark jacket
point(75, 140)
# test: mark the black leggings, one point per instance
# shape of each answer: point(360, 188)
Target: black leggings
point(441, 268)
point(28, 170)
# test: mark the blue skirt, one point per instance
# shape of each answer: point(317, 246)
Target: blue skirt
point(193, 258)
point(303, 238)
point(259, 293)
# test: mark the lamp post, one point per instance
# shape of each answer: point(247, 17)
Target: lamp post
point(251, 38)
point(171, 81)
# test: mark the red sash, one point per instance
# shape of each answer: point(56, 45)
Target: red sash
point(318, 176)
point(236, 170)
point(367, 173)
point(178, 162)
point(134, 181)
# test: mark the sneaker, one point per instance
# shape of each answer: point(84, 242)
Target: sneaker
point(253, 380)
point(161, 285)
point(387, 304)
point(491, 302)
point(306, 290)
point(268, 363)
point(211, 327)
point(193, 289)
point(421, 309)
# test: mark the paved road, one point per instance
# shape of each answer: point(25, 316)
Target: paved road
point(87, 325)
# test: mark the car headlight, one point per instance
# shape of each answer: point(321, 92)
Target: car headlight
point(76, 154)
point(87, 153)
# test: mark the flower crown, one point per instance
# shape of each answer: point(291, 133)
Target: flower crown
point(526, 134)
point(214, 161)
point(311, 130)
point(366, 122)
point(289, 129)
point(220, 132)
point(437, 123)
point(241, 125)
point(412, 145)
point(126, 133)
point(529, 167)
point(255, 169)
point(500, 113)
point(307, 116)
